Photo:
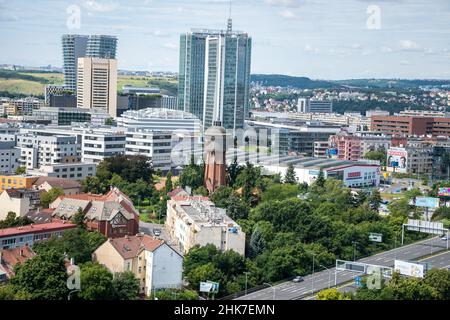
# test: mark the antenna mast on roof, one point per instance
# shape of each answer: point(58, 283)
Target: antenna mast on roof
point(230, 21)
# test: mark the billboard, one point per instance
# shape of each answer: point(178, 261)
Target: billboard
point(376, 237)
point(425, 226)
point(427, 202)
point(409, 269)
point(444, 192)
point(397, 160)
point(209, 286)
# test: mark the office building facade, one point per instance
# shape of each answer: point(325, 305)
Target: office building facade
point(97, 84)
point(214, 76)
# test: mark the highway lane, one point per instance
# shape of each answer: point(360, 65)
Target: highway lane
point(323, 279)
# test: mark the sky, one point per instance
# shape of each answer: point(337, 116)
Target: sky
point(320, 39)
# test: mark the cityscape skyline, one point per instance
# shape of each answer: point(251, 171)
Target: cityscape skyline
point(305, 38)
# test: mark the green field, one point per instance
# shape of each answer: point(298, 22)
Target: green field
point(30, 83)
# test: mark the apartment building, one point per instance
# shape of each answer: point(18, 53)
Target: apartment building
point(37, 150)
point(156, 264)
point(76, 170)
point(197, 221)
point(9, 157)
point(19, 201)
point(412, 125)
point(100, 143)
point(17, 182)
point(156, 145)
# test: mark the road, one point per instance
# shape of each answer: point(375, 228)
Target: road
point(323, 279)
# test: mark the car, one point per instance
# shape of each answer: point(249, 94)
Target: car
point(298, 279)
point(444, 238)
point(157, 232)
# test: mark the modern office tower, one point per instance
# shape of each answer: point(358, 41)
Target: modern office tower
point(214, 76)
point(74, 47)
point(97, 84)
point(79, 46)
point(101, 46)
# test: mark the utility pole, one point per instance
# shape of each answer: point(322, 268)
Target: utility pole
point(313, 254)
point(329, 276)
point(354, 249)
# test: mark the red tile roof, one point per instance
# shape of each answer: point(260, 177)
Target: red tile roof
point(36, 228)
point(129, 246)
point(58, 182)
point(11, 257)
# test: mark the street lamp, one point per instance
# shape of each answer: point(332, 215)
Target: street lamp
point(354, 249)
point(329, 276)
point(272, 288)
point(246, 281)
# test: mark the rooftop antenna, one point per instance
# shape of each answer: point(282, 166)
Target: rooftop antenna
point(230, 21)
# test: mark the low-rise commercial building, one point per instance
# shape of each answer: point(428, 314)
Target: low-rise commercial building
point(74, 170)
point(27, 235)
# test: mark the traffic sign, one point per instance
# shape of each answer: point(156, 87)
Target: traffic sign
point(358, 281)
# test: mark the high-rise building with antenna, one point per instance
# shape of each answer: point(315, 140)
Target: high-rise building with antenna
point(214, 75)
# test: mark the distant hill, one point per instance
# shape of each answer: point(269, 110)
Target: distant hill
point(392, 83)
point(279, 80)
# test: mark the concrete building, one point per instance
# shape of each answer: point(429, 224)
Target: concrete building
point(9, 157)
point(214, 76)
point(347, 146)
point(412, 125)
point(75, 171)
point(168, 102)
point(412, 159)
point(160, 120)
point(17, 237)
point(156, 145)
point(63, 116)
point(97, 84)
point(19, 201)
point(321, 149)
point(154, 263)
point(196, 221)
point(78, 46)
point(17, 182)
point(37, 150)
point(306, 105)
point(128, 89)
point(101, 143)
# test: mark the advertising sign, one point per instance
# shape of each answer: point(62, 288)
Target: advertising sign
point(397, 159)
point(444, 192)
point(376, 237)
point(427, 202)
point(409, 269)
point(425, 226)
point(206, 287)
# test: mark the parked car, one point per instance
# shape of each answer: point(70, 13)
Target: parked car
point(444, 238)
point(157, 232)
point(298, 279)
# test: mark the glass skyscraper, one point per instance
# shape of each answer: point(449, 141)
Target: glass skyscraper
point(214, 76)
point(79, 46)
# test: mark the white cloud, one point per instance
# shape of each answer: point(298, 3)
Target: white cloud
point(100, 5)
point(284, 3)
point(170, 45)
point(385, 49)
point(409, 45)
point(287, 14)
point(310, 49)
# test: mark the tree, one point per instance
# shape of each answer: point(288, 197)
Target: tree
point(439, 280)
point(378, 155)
point(169, 185)
point(12, 220)
point(233, 170)
point(192, 176)
point(375, 200)
point(78, 218)
point(175, 294)
point(331, 294)
point(43, 277)
point(93, 185)
point(78, 244)
point(125, 286)
point(96, 281)
point(290, 177)
point(109, 122)
point(320, 181)
point(201, 191)
point(257, 243)
point(47, 197)
point(21, 170)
